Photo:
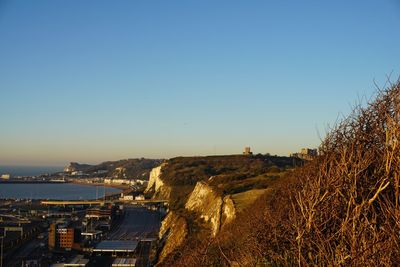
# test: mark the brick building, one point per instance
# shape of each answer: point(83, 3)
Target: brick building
point(64, 237)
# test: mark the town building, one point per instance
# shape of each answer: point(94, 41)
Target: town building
point(310, 152)
point(117, 181)
point(126, 197)
point(100, 213)
point(6, 176)
point(77, 173)
point(64, 237)
point(140, 182)
point(306, 154)
point(140, 197)
point(102, 171)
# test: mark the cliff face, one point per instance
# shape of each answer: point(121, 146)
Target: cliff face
point(154, 179)
point(156, 185)
point(228, 210)
point(173, 233)
point(173, 229)
point(204, 201)
point(215, 210)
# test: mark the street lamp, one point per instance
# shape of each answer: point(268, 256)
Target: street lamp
point(2, 247)
point(1, 255)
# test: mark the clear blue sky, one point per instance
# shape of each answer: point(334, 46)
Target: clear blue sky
point(100, 80)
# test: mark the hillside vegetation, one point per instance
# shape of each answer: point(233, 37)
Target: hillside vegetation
point(226, 174)
point(341, 209)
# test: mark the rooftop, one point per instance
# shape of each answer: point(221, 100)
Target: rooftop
point(122, 262)
point(116, 246)
point(77, 261)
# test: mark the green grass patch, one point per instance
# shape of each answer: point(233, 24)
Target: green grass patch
point(245, 199)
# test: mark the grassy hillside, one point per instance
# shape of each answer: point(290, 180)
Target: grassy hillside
point(226, 174)
point(247, 198)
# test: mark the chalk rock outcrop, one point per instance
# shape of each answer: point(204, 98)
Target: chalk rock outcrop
point(211, 207)
point(172, 233)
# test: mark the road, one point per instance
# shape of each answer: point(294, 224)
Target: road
point(138, 222)
point(143, 257)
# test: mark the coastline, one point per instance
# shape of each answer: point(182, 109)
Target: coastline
point(123, 187)
point(32, 182)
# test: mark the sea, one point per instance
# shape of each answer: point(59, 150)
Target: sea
point(29, 170)
point(65, 191)
point(61, 191)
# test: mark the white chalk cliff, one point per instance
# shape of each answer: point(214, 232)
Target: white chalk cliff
point(211, 207)
point(156, 185)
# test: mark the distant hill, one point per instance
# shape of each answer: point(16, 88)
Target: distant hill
point(75, 166)
point(122, 169)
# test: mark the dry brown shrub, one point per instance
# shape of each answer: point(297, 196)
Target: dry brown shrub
point(347, 210)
